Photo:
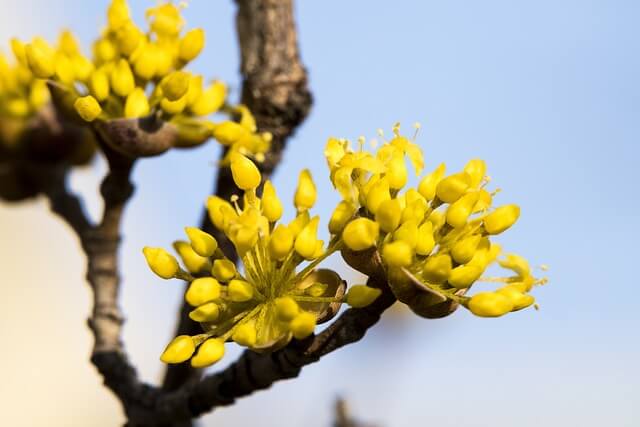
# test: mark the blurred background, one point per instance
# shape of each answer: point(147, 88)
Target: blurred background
point(545, 91)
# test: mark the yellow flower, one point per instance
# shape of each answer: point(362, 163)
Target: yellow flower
point(434, 237)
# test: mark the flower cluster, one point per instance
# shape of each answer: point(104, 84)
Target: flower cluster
point(435, 239)
point(134, 74)
point(270, 302)
point(21, 97)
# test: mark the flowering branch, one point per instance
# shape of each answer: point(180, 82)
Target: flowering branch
point(275, 90)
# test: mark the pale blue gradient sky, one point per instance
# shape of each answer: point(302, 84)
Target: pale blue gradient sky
point(547, 93)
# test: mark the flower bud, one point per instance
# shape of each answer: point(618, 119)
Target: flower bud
point(240, 291)
point(40, 62)
point(437, 268)
point(64, 69)
point(118, 13)
point(453, 187)
point(519, 299)
point(82, 67)
point(360, 296)
point(388, 215)
point(280, 242)
point(243, 237)
point(191, 44)
point(298, 223)
point(286, 308)
point(271, 205)
point(414, 210)
point(210, 100)
point(490, 304)
point(476, 169)
point(88, 108)
point(229, 133)
point(306, 241)
point(161, 262)
point(427, 186)
point(195, 89)
point(208, 312)
point(214, 203)
point(194, 262)
point(245, 335)
point(18, 49)
point(209, 352)
point(341, 215)
point(408, 233)
point(305, 195)
point(39, 94)
point(245, 173)
point(397, 254)
point(376, 194)
point(223, 270)
point(464, 276)
point(204, 244)
point(128, 38)
point(179, 350)
point(99, 84)
point(459, 211)
point(485, 254)
point(425, 242)
point(17, 107)
point(360, 234)
point(463, 250)
point(501, 219)
point(104, 51)
point(122, 81)
point(202, 290)
point(396, 172)
point(136, 104)
point(175, 85)
point(303, 325)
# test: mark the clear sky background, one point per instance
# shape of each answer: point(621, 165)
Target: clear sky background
point(545, 91)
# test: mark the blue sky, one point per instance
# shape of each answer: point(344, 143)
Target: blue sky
point(547, 93)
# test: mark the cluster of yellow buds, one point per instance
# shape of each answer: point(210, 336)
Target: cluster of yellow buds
point(270, 301)
point(21, 95)
point(434, 240)
point(135, 74)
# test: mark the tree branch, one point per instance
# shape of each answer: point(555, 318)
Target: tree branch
point(275, 90)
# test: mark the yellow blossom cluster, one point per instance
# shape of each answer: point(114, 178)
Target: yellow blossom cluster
point(132, 74)
point(434, 239)
point(22, 95)
point(270, 301)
